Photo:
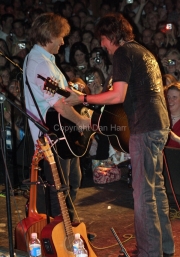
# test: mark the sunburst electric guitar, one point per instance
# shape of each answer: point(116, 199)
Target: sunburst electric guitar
point(57, 237)
point(109, 120)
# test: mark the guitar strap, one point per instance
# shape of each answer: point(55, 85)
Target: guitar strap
point(34, 100)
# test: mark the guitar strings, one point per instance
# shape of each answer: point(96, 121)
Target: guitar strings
point(65, 182)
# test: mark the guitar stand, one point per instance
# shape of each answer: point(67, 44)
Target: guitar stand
point(27, 182)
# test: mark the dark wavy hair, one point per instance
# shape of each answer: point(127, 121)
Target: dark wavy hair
point(81, 47)
point(115, 27)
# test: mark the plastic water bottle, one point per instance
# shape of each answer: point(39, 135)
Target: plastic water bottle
point(78, 247)
point(34, 246)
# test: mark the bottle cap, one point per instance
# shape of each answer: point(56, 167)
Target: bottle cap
point(34, 235)
point(77, 236)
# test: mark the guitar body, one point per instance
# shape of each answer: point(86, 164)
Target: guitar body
point(73, 143)
point(112, 121)
point(53, 239)
point(57, 237)
point(24, 229)
point(46, 237)
point(35, 221)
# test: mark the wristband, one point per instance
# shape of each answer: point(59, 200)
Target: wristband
point(85, 100)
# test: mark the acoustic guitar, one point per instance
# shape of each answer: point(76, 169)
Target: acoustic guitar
point(109, 120)
point(57, 237)
point(35, 221)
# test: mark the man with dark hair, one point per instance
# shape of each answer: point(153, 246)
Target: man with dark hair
point(47, 34)
point(6, 27)
point(137, 83)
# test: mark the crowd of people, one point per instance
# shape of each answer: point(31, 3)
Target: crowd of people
point(81, 54)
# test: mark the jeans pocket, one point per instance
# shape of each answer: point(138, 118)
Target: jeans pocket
point(157, 140)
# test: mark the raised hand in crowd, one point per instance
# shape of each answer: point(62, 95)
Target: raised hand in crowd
point(171, 63)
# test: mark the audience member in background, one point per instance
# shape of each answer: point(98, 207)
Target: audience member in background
point(18, 63)
point(89, 25)
point(5, 76)
point(63, 8)
point(80, 85)
point(2, 5)
point(87, 37)
point(147, 40)
point(94, 80)
point(159, 39)
point(40, 5)
point(79, 58)
point(171, 63)
point(153, 19)
point(99, 58)
point(171, 37)
point(75, 21)
point(6, 27)
point(161, 52)
point(4, 48)
point(69, 71)
point(94, 43)
point(12, 115)
point(138, 17)
point(83, 14)
point(173, 9)
point(77, 6)
point(168, 79)
point(73, 37)
point(31, 14)
point(60, 57)
point(173, 101)
point(19, 39)
point(17, 9)
point(104, 9)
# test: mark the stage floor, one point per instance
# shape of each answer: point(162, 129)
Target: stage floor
point(100, 207)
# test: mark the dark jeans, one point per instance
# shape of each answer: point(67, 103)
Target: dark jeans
point(151, 209)
point(70, 175)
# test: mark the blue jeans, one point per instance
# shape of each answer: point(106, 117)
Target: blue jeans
point(151, 209)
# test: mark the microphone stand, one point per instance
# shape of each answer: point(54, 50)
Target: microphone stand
point(22, 99)
point(14, 63)
point(44, 130)
point(21, 70)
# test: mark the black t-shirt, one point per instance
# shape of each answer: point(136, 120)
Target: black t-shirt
point(144, 104)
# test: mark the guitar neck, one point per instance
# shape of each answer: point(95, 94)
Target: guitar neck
point(62, 201)
point(32, 211)
point(52, 86)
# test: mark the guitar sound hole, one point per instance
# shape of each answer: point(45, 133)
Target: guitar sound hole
point(69, 243)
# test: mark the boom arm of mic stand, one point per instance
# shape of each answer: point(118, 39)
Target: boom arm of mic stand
point(14, 63)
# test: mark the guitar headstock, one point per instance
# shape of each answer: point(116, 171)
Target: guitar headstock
point(52, 86)
point(37, 156)
point(46, 149)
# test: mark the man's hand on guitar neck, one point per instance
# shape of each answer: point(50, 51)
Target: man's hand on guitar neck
point(74, 99)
